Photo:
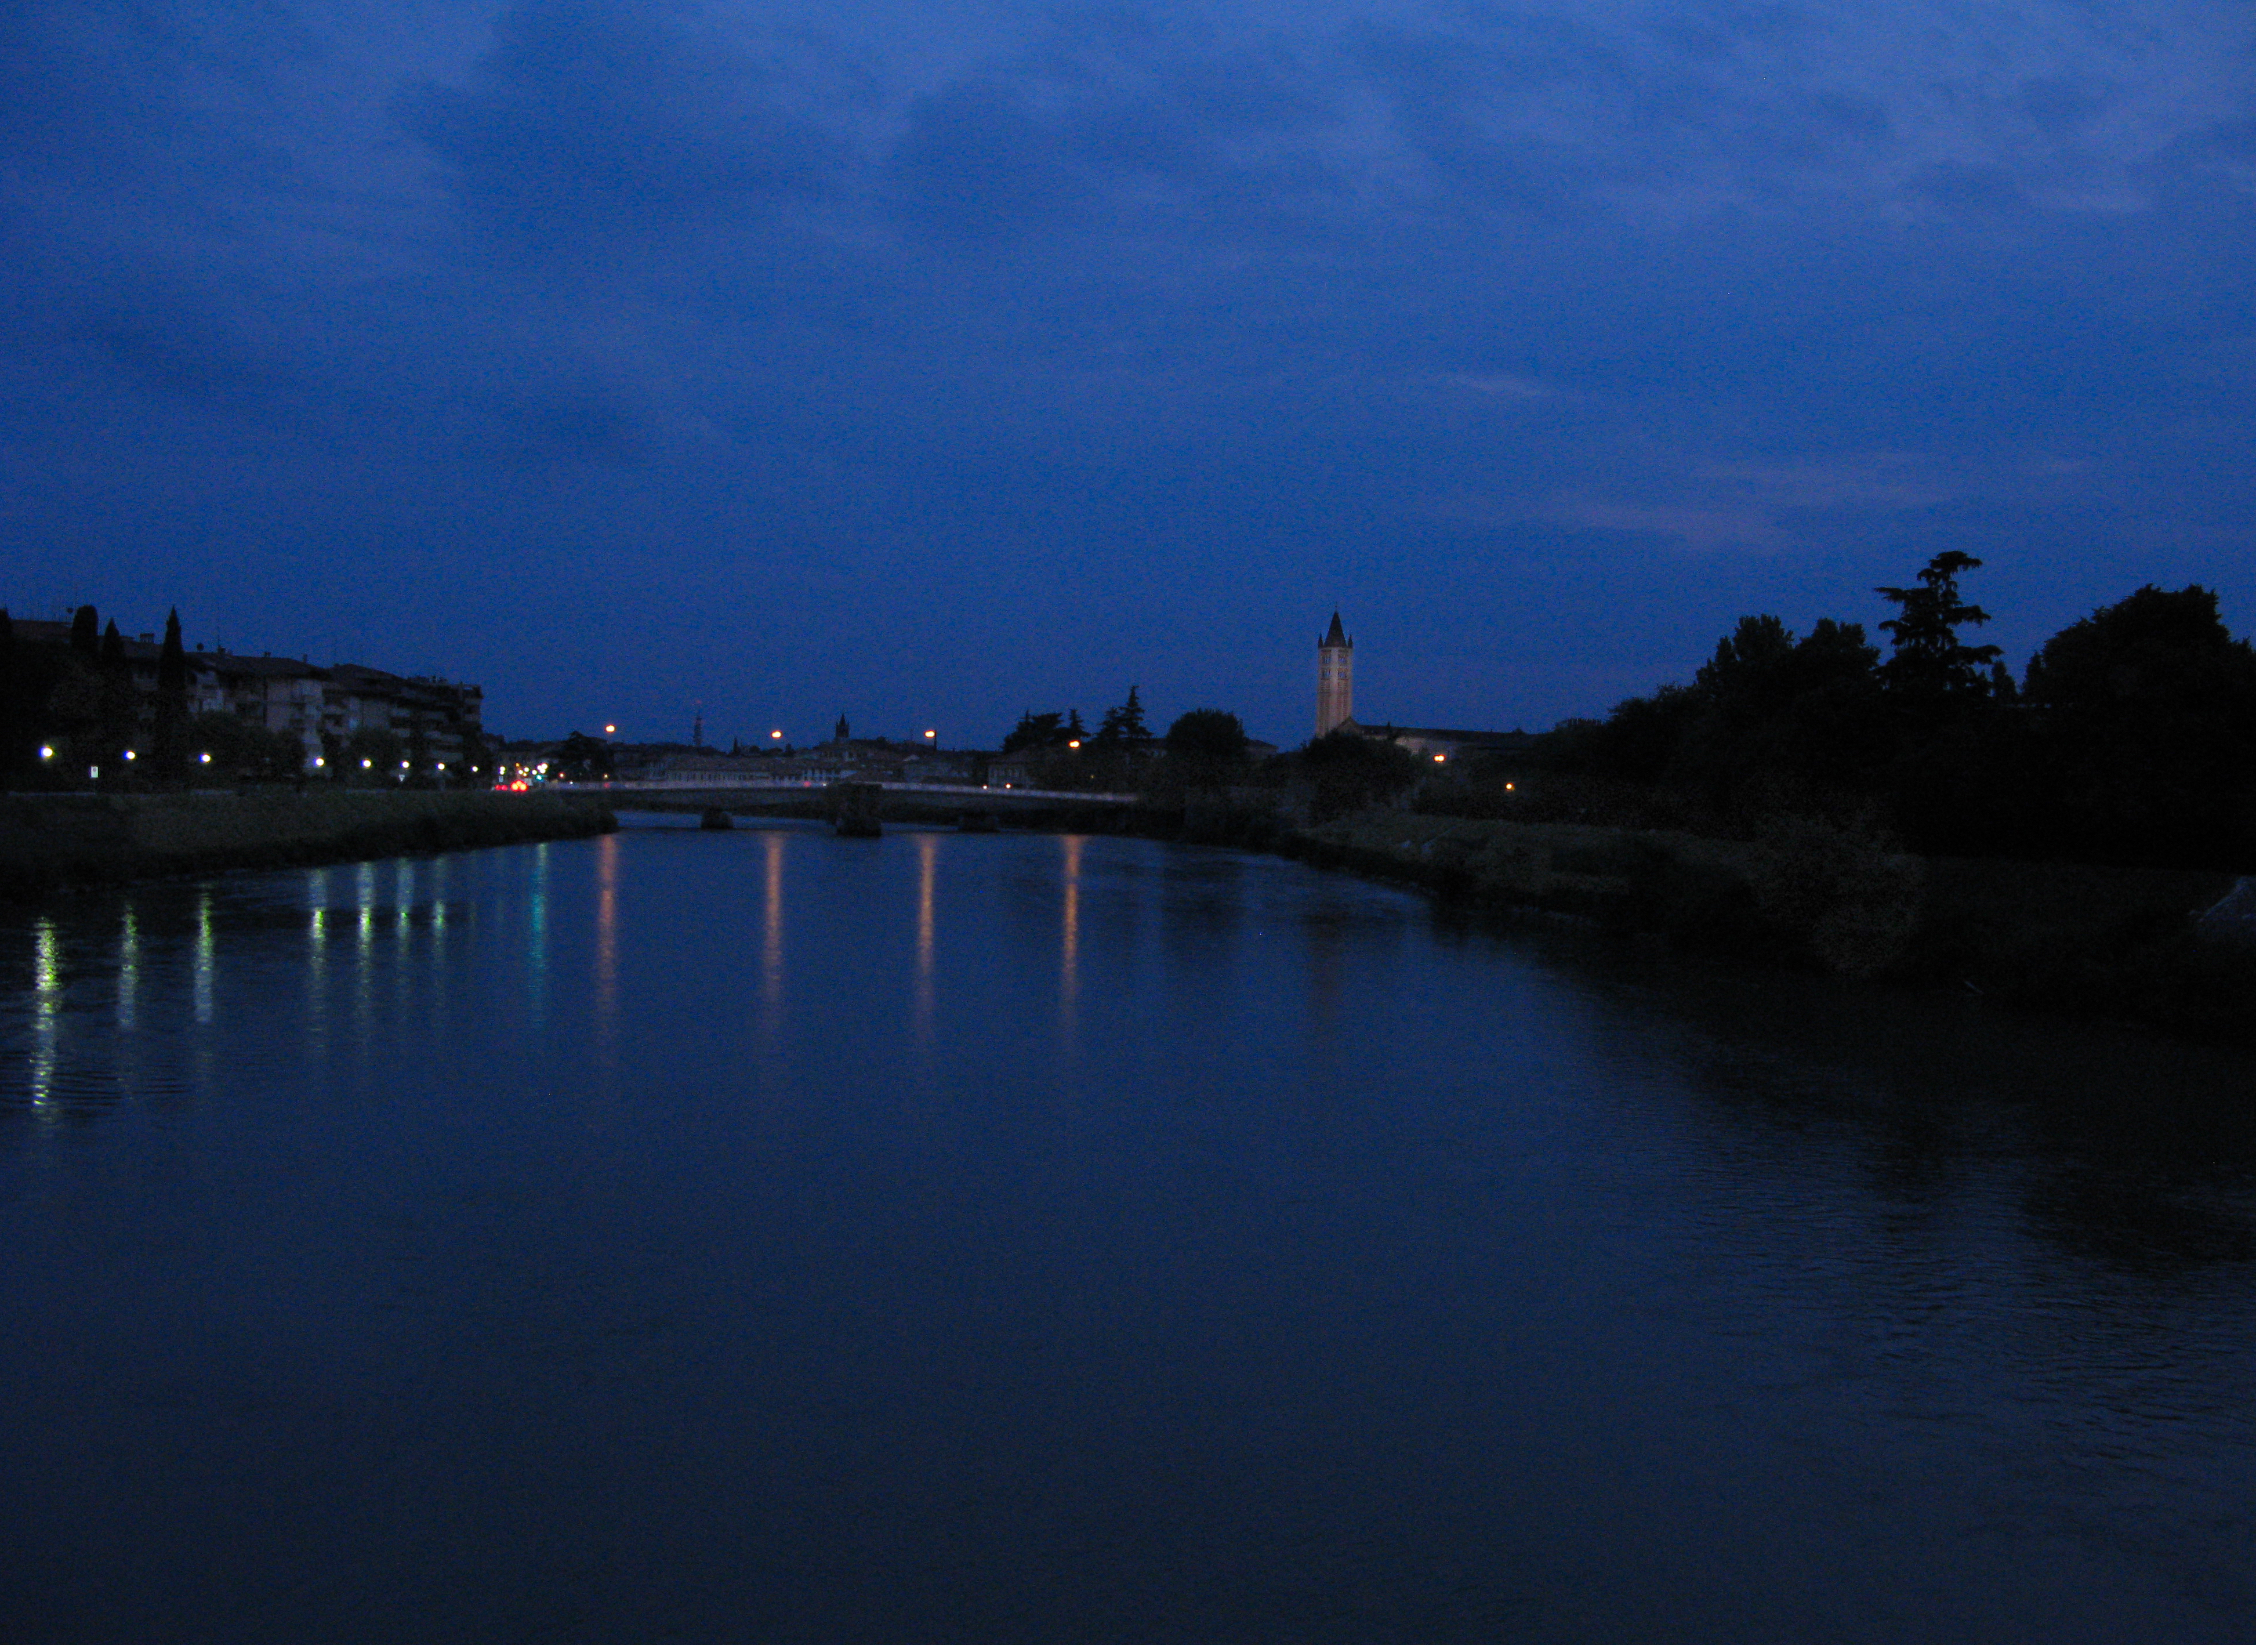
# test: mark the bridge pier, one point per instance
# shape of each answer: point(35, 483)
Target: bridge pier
point(854, 809)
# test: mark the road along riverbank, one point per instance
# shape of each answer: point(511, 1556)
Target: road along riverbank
point(51, 842)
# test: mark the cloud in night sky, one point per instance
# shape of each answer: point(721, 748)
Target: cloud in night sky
point(939, 361)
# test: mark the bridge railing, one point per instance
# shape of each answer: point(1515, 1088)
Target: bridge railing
point(734, 782)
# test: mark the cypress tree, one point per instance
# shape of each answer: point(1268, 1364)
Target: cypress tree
point(170, 740)
point(86, 636)
point(120, 705)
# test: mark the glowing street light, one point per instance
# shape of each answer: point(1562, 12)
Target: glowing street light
point(1074, 743)
point(364, 764)
point(610, 731)
point(129, 754)
point(47, 752)
point(203, 759)
point(931, 736)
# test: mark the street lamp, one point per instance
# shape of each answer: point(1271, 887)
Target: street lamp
point(931, 737)
point(610, 731)
point(775, 736)
point(47, 752)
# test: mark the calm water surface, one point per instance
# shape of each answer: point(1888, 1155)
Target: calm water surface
point(771, 1237)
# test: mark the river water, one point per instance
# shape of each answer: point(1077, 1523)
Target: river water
point(765, 1236)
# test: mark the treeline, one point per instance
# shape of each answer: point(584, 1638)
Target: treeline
point(1204, 749)
point(2129, 738)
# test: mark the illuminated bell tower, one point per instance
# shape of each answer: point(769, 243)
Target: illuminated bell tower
point(1335, 678)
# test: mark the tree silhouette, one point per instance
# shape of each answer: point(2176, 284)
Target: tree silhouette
point(119, 712)
point(1929, 660)
point(1035, 731)
point(1124, 726)
point(2146, 719)
point(169, 737)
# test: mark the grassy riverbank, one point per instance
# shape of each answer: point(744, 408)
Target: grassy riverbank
point(2103, 942)
point(52, 841)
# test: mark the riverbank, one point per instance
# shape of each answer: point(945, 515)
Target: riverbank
point(50, 842)
point(2110, 943)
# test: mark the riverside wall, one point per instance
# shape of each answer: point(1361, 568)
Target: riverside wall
point(51, 842)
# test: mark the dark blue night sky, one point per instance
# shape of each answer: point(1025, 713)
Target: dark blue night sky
point(934, 361)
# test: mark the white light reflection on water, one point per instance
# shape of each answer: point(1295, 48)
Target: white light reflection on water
point(403, 973)
point(364, 954)
point(317, 958)
point(46, 1008)
point(129, 969)
point(438, 995)
point(206, 960)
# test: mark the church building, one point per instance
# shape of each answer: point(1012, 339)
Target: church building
point(1335, 710)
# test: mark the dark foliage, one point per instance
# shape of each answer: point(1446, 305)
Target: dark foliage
point(1347, 772)
point(583, 759)
point(1124, 727)
point(2144, 734)
point(1204, 750)
point(242, 750)
point(2132, 741)
point(168, 738)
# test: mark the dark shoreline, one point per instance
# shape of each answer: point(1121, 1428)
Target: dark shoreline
point(2106, 944)
point(51, 843)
